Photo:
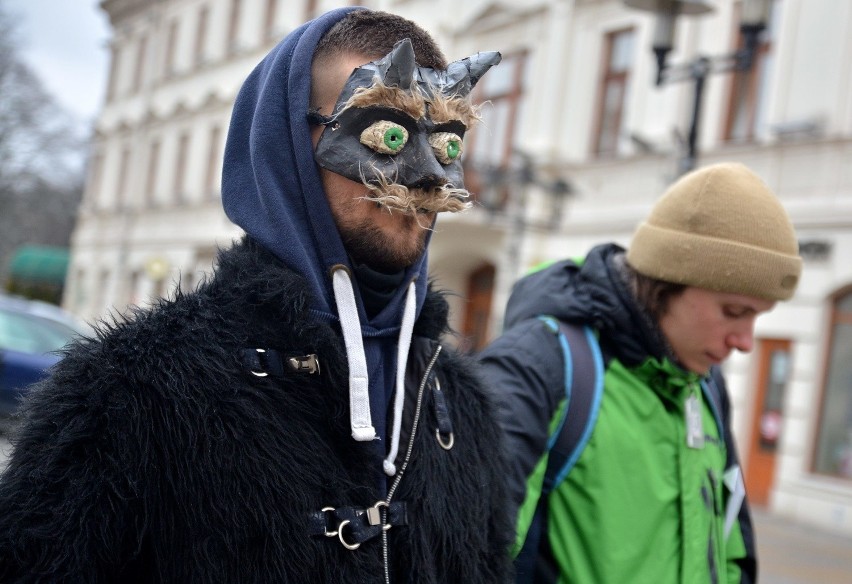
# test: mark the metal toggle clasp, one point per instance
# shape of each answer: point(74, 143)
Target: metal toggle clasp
point(308, 363)
point(374, 516)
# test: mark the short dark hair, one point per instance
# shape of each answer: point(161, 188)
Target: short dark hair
point(373, 33)
point(652, 294)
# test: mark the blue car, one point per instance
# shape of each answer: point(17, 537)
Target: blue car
point(31, 333)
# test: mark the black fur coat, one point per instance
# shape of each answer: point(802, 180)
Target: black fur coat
point(153, 454)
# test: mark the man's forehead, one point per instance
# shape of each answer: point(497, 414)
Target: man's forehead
point(330, 76)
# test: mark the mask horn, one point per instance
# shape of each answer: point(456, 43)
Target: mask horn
point(397, 67)
point(480, 63)
point(464, 74)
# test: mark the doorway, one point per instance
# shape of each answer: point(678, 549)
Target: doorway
point(480, 289)
point(767, 421)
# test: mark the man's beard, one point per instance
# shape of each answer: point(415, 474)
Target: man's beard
point(367, 244)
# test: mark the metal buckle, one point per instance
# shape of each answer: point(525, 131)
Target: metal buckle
point(374, 518)
point(349, 546)
point(309, 363)
point(260, 358)
point(327, 510)
point(445, 445)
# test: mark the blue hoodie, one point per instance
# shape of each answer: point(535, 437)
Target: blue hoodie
point(271, 188)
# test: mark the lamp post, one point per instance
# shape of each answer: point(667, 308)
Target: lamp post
point(753, 19)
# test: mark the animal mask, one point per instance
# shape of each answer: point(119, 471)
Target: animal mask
point(398, 129)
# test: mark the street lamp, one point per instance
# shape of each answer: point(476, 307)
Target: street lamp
point(514, 179)
point(505, 193)
point(754, 16)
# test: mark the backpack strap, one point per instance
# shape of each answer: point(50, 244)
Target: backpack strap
point(584, 373)
point(583, 387)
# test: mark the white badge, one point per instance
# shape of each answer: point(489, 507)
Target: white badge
point(694, 428)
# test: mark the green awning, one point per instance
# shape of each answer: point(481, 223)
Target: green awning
point(35, 263)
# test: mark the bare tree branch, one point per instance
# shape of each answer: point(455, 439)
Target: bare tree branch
point(41, 172)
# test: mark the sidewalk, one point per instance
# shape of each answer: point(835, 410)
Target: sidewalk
point(794, 553)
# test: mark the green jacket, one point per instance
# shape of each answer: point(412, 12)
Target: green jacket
point(640, 505)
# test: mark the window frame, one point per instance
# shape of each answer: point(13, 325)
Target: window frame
point(609, 77)
point(747, 83)
point(836, 317)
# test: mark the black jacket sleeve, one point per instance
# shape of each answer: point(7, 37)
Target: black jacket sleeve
point(67, 495)
point(525, 369)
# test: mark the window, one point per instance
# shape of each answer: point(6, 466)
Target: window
point(833, 454)
point(746, 107)
point(211, 179)
point(234, 24)
point(171, 48)
point(205, 260)
point(160, 288)
point(102, 292)
point(269, 17)
point(121, 188)
point(180, 167)
point(489, 145)
point(620, 48)
point(139, 73)
point(96, 171)
point(79, 291)
point(113, 74)
point(310, 9)
point(201, 35)
point(133, 286)
point(151, 179)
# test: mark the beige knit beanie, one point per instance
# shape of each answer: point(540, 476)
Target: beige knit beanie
point(720, 228)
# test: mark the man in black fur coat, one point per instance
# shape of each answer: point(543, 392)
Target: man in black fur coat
point(295, 419)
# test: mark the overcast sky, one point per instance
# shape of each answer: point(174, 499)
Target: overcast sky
point(65, 42)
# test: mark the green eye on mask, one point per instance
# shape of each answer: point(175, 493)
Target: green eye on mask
point(447, 146)
point(384, 137)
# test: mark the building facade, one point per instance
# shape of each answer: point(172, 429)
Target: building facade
point(577, 142)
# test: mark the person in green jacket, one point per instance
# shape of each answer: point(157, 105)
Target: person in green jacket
point(654, 496)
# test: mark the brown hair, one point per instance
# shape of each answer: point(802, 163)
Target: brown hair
point(374, 33)
point(652, 294)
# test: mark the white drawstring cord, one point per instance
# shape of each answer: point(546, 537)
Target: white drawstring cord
point(405, 333)
point(359, 395)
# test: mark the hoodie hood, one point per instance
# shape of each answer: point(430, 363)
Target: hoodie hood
point(271, 187)
point(592, 292)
